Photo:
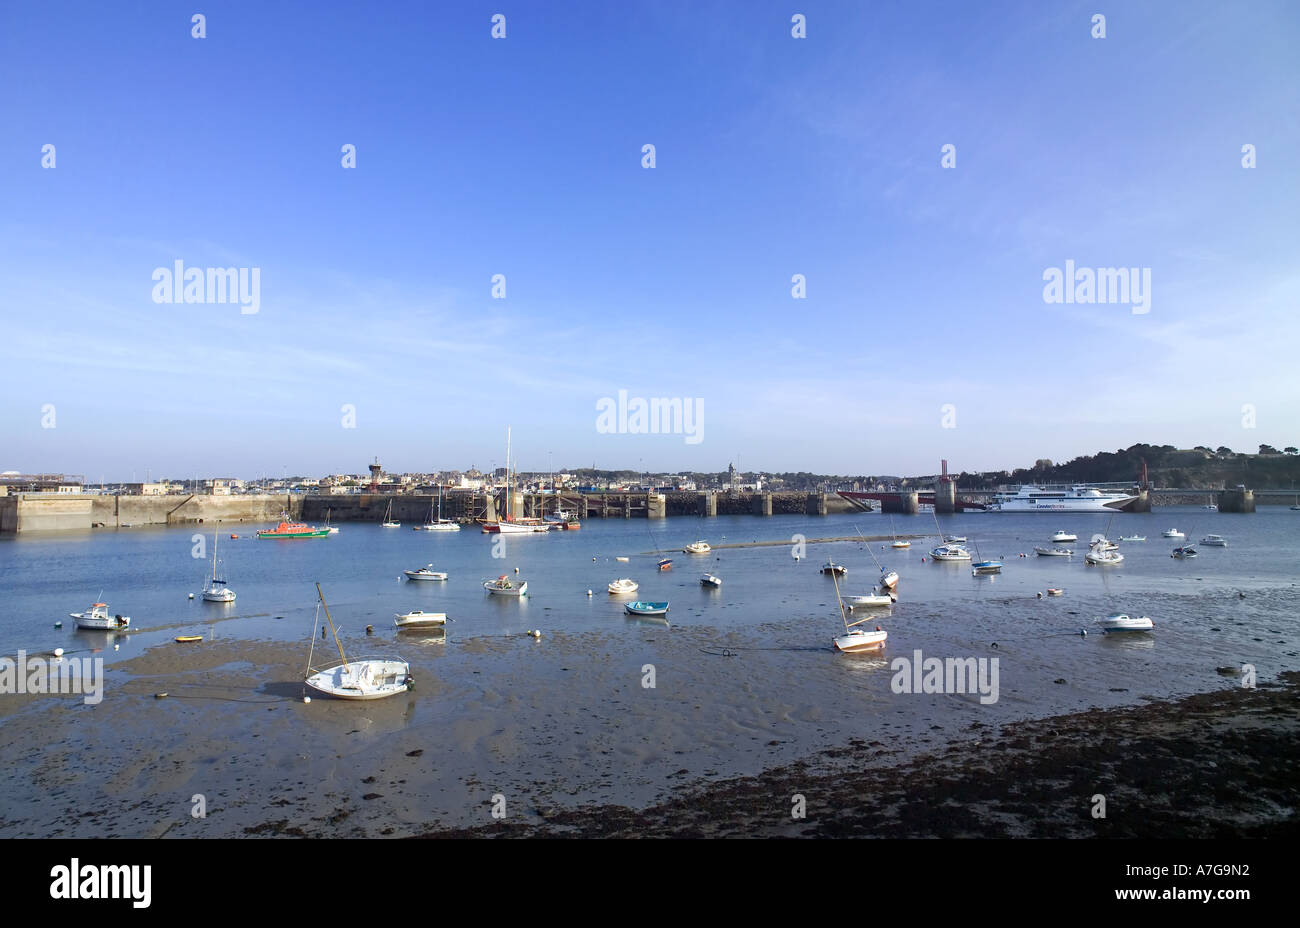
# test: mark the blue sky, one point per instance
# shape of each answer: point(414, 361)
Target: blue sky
point(522, 156)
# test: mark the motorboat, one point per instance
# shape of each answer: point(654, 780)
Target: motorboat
point(1064, 536)
point(425, 573)
point(623, 585)
point(1172, 533)
point(1184, 552)
point(96, 618)
point(697, 547)
point(357, 679)
point(871, 599)
point(949, 553)
point(832, 568)
point(1215, 541)
point(419, 619)
point(1054, 552)
point(711, 581)
point(1132, 537)
point(504, 586)
point(1101, 557)
point(986, 567)
point(1119, 622)
point(645, 608)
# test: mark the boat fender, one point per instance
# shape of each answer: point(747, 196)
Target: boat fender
point(191, 596)
point(58, 624)
point(370, 629)
point(589, 591)
point(116, 646)
point(1083, 633)
point(306, 699)
point(58, 652)
point(994, 646)
point(1040, 595)
point(159, 695)
point(516, 570)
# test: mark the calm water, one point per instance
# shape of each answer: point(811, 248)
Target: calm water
point(147, 573)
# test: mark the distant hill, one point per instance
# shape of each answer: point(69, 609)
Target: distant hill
point(1199, 468)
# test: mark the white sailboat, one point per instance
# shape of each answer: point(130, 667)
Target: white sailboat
point(438, 524)
point(888, 578)
point(856, 639)
point(215, 590)
point(897, 542)
point(333, 529)
point(366, 678)
point(388, 517)
point(697, 547)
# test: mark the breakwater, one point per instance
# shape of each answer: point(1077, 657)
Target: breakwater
point(44, 512)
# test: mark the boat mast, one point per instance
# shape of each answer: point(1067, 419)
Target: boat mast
point(333, 630)
point(508, 493)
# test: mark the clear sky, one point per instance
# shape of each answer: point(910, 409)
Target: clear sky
point(522, 156)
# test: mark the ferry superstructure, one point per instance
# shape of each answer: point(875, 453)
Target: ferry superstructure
point(1076, 498)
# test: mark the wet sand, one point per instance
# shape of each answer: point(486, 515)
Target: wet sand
point(1216, 765)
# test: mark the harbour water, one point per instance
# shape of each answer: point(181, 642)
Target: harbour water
point(744, 677)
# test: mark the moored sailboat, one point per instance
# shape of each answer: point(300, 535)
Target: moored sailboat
point(366, 678)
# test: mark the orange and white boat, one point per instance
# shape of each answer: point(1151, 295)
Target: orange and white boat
point(294, 530)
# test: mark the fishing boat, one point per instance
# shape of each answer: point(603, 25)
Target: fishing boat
point(711, 581)
point(426, 573)
point(293, 530)
point(1215, 541)
point(697, 547)
point(624, 585)
point(897, 542)
point(503, 586)
point(1132, 537)
point(856, 639)
point(1119, 622)
point(365, 678)
point(1054, 552)
point(1172, 533)
point(949, 553)
point(1064, 536)
point(419, 619)
point(96, 618)
point(1184, 552)
point(215, 590)
point(645, 608)
point(389, 521)
point(834, 569)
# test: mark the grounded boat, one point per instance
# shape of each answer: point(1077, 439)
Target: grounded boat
point(871, 599)
point(426, 573)
point(645, 608)
point(96, 618)
point(1132, 537)
point(1054, 552)
point(503, 586)
point(419, 619)
point(1051, 498)
point(215, 590)
point(367, 678)
point(665, 563)
point(1119, 622)
point(710, 580)
point(1063, 536)
point(389, 521)
point(624, 585)
point(697, 547)
point(834, 569)
point(950, 553)
point(1215, 541)
point(293, 530)
point(1172, 533)
point(856, 639)
point(889, 580)
point(1185, 551)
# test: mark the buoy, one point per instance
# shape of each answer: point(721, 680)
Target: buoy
point(116, 646)
point(191, 596)
point(589, 592)
point(1083, 633)
point(58, 652)
point(370, 629)
point(516, 570)
point(306, 699)
point(58, 624)
point(536, 633)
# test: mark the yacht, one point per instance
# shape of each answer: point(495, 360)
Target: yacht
point(97, 618)
point(1215, 541)
point(1044, 498)
point(1063, 536)
point(949, 553)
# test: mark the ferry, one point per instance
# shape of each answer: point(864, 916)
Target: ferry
point(1077, 498)
point(293, 530)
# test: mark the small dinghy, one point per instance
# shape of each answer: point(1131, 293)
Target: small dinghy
point(96, 618)
point(1055, 591)
point(1172, 533)
point(697, 547)
point(503, 586)
point(871, 599)
point(645, 608)
point(621, 559)
point(425, 573)
point(1063, 536)
point(186, 639)
point(855, 639)
point(665, 563)
point(1054, 552)
point(419, 619)
point(1185, 551)
point(366, 678)
point(623, 585)
point(711, 581)
point(1119, 622)
point(833, 569)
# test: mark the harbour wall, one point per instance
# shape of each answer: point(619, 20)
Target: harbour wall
point(46, 512)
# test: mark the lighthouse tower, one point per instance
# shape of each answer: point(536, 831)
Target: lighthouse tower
point(375, 471)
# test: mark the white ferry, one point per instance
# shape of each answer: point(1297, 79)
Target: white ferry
point(1078, 498)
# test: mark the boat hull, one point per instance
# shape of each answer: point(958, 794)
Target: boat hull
point(363, 679)
point(856, 642)
point(645, 608)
